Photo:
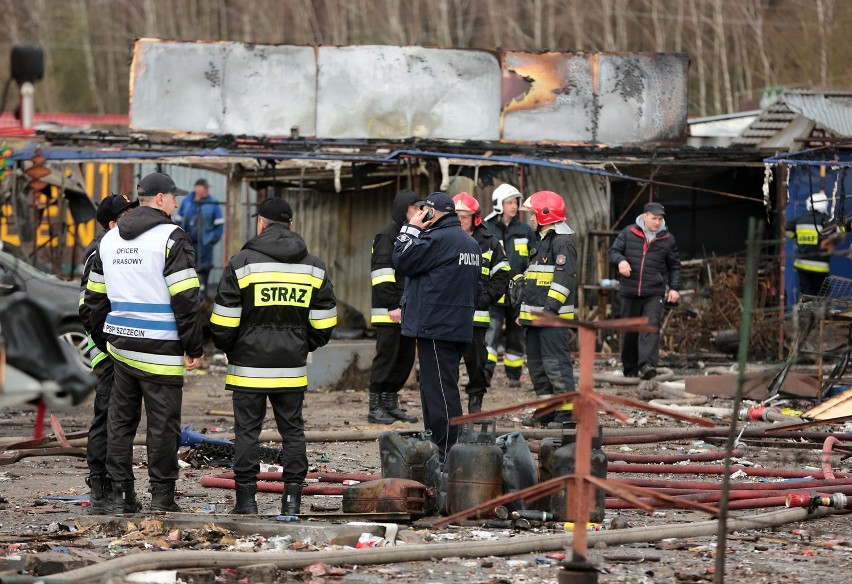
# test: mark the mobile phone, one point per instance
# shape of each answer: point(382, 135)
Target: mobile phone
point(430, 214)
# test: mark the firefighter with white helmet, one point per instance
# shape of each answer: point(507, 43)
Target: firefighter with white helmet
point(516, 238)
point(550, 287)
point(809, 230)
point(495, 282)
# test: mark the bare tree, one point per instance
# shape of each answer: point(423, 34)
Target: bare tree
point(699, 55)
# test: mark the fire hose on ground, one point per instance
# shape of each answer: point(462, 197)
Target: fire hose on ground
point(423, 552)
point(270, 482)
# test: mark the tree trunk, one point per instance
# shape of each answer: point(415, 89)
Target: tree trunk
point(699, 57)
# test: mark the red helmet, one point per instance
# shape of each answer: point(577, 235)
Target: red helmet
point(548, 207)
point(467, 204)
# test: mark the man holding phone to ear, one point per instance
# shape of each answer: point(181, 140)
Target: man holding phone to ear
point(441, 265)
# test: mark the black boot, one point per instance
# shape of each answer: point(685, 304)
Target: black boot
point(377, 413)
point(123, 498)
point(291, 503)
point(163, 497)
point(100, 494)
point(474, 403)
point(246, 504)
point(390, 402)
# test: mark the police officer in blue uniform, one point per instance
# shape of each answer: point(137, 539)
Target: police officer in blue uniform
point(441, 265)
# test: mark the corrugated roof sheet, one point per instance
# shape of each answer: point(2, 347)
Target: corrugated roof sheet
point(833, 110)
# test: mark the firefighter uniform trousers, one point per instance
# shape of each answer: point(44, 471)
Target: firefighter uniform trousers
point(641, 348)
point(513, 357)
point(439, 389)
point(249, 412)
point(393, 361)
point(162, 407)
point(549, 360)
point(96, 447)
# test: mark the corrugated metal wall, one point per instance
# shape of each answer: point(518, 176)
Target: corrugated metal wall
point(339, 229)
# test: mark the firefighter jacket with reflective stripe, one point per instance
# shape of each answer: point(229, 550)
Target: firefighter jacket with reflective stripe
point(652, 265)
point(98, 359)
point(551, 278)
point(143, 296)
point(809, 230)
point(386, 288)
point(274, 304)
point(442, 266)
point(517, 238)
point(495, 274)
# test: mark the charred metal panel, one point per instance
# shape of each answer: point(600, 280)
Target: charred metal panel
point(223, 88)
point(594, 98)
point(401, 92)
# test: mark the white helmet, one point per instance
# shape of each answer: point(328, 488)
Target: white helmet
point(503, 193)
point(817, 202)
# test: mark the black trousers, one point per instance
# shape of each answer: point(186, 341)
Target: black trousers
point(439, 389)
point(810, 283)
point(393, 361)
point(639, 349)
point(549, 360)
point(475, 357)
point(162, 407)
point(513, 357)
point(249, 412)
point(203, 277)
point(96, 448)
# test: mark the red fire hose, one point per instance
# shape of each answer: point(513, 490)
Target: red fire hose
point(826, 456)
point(270, 482)
point(715, 469)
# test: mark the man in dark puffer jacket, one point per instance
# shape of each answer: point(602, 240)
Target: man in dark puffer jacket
point(647, 259)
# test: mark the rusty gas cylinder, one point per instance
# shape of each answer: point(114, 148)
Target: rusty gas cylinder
point(475, 468)
point(563, 464)
point(545, 468)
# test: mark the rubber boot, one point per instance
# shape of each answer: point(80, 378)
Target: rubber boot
point(377, 413)
point(291, 503)
point(163, 497)
point(474, 403)
point(246, 504)
point(100, 494)
point(123, 498)
point(390, 402)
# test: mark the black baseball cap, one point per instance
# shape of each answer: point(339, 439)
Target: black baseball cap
point(111, 207)
point(157, 182)
point(655, 208)
point(274, 209)
point(440, 202)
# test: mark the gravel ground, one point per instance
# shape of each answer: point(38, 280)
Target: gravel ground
point(31, 525)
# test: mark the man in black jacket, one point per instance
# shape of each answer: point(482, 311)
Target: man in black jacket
point(100, 497)
point(495, 282)
point(274, 304)
point(143, 296)
point(647, 259)
point(394, 352)
point(516, 237)
point(809, 230)
point(441, 265)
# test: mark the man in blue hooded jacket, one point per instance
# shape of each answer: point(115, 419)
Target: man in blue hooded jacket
point(441, 265)
point(201, 218)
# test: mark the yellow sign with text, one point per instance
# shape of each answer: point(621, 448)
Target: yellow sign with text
point(298, 295)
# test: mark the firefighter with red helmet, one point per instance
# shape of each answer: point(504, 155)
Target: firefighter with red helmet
point(495, 282)
point(550, 286)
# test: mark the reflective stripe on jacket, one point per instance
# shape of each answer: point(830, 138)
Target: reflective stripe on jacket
point(274, 304)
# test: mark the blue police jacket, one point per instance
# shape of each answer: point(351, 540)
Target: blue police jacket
point(441, 266)
point(204, 223)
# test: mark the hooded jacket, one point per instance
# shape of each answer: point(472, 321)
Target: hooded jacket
point(551, 278)
point(274, 304)
point(386, 288)
point(442, 266)
point(204, 223)
point(653, 265)
point(142, 296)
point(495, 274)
